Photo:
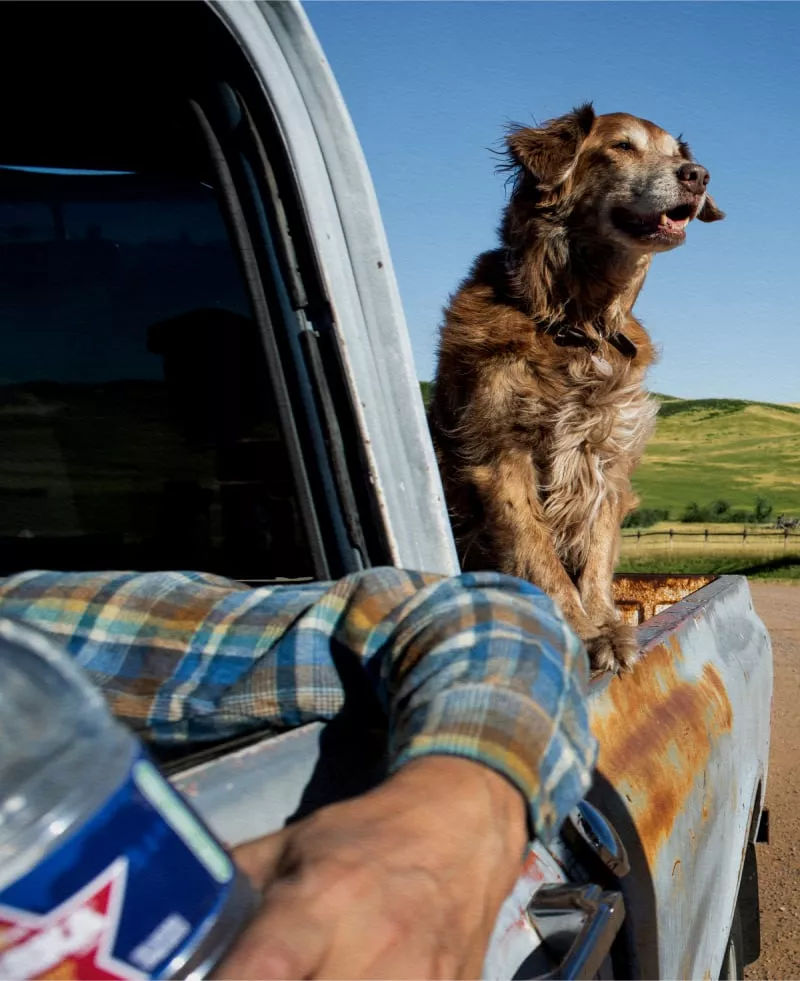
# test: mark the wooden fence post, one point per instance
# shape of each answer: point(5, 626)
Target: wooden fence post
point(706, 536)
point(671, 533)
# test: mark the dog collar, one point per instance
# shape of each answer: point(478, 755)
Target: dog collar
point(568, 335)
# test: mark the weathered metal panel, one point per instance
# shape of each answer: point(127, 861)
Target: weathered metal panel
point(684, 742)
point(514, 938)
point(348, 236)
point(253, 791)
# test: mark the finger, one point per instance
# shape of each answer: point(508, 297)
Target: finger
point(284, 940)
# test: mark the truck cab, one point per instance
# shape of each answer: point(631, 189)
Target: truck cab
point(206, 365)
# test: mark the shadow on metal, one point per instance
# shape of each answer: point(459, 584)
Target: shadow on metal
point(635, 952)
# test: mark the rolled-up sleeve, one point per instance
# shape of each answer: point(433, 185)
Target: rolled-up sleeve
point(480, 666)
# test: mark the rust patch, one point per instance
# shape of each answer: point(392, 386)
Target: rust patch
point(656, 731)
point(532, 869)
point(641, 597)
point(531, 876)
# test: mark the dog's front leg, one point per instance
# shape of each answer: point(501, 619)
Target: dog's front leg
point(614, 647)
point(522, 541)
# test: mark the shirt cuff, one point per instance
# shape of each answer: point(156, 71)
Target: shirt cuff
point(510, 733)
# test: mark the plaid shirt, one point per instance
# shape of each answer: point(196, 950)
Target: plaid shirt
point(481, 666)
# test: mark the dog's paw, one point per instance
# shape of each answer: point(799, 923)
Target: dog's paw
point(613, 648)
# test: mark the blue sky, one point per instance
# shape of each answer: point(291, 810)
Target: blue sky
point(430, 86)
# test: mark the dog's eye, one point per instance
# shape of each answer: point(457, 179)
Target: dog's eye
point(623, 145)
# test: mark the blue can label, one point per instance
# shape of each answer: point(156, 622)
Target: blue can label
point(128, 894)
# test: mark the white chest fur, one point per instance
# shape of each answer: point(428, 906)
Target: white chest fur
point(597, 435)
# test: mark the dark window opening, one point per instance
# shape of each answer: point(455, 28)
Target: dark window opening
point(137, 423)
point(158, 407)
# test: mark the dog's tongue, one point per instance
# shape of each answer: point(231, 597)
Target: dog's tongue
point(672, 224)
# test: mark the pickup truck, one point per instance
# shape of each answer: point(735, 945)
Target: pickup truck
point(206, 365)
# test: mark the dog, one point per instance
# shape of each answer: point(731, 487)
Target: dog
point(539, 414)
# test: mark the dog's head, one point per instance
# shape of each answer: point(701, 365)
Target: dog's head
point(616, 178)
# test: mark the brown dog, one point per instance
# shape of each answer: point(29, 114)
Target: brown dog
point(539, 414)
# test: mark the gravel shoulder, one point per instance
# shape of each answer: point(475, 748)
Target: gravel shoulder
point(778, 605)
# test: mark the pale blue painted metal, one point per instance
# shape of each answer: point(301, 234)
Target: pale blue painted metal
point(684, 750)
point(353, 253)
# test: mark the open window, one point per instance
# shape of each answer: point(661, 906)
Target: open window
point(169, 396)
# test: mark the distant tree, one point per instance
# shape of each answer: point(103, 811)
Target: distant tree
point(719, 510)
point(693, 513)
point(762, 510)
point(426, 388)
point(722, 512)
point(645, 517)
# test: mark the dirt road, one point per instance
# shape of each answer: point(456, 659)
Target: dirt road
point(779, 862)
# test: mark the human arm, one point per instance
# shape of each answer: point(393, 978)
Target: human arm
point(481, 666)
point(405, 881)
point(483, 687)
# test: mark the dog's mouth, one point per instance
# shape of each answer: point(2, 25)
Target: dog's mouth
point(665, 226)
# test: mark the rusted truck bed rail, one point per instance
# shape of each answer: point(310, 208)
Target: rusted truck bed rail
point(641, 597)
point(683, 760)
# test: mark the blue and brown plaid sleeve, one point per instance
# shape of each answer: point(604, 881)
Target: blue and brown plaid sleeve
point(480, 666)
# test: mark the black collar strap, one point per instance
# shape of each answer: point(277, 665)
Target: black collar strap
point(623, 344)
point(568, 335)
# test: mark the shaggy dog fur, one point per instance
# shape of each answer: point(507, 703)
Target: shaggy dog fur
point(539, 414)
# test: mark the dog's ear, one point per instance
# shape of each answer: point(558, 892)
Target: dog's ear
point(549, 151)
point(710, 211)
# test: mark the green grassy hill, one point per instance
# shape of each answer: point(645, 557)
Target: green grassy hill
point(707, 449)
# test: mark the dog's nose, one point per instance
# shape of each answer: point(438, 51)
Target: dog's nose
point(694, 177)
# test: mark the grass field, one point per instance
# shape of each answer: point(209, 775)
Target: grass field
point(754, 566)
point(710, 449)
point(706, 449)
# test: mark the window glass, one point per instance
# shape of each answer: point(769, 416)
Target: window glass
point(137, 423)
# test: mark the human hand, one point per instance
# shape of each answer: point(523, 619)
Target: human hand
point(403, 882)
